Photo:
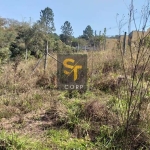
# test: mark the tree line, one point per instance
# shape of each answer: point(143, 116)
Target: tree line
point(26, 39)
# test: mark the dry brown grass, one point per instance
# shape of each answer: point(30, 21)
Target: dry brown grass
point(103, 61)
point(97, 111)
point(57, 112)
point(23, 91)
point(8, 111)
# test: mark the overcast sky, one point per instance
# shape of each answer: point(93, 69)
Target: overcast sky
point(80, 13)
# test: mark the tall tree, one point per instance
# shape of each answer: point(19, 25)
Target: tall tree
point(20, 44)
point(67, 33)
point(47, 20)
point(88, 33)
point(37, 40)
point(47, 25)
point(67, 29)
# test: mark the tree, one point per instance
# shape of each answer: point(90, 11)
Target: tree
point(20, 45)
point(37, 40)
point(2, 22)
point(47, 25)
point(74, 42)
point(47, 20)
point(88, 33)
point(67, 33)
point(55, 36)
point(99, 41)
point(134, 94)
point(7, 36)
point(82, 41)
point(58, 47)
point(67, 29)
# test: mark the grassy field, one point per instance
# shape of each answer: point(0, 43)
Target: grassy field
point(35, 115)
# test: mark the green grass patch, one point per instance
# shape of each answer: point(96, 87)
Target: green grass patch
point(62, 139)
point(15, 142)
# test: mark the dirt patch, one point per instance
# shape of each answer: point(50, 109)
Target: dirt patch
point(26, 124)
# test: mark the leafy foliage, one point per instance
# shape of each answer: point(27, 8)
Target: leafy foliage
point(67, 32)
point(88, 32)
point(47, 20)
